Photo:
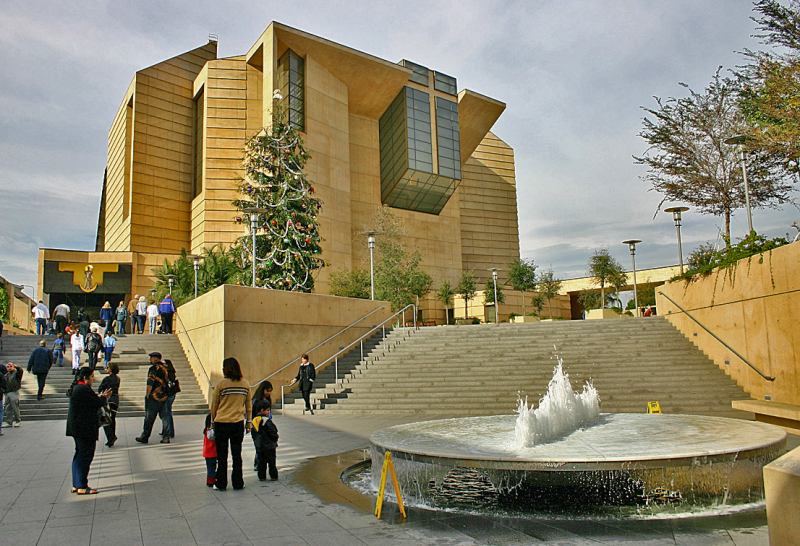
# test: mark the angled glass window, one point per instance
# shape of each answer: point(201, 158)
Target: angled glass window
point(444, 83)
point(291, 83)
point(419, 74)
point(448, 138)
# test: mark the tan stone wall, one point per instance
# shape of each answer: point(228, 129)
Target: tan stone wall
point(782, 491)
point(756, 310)
point(162, 152)
point(117, 225)
point(264, 329)
point(225, 83)
point(488, 208)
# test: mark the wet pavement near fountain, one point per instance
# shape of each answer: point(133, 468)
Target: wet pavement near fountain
point(155, 494)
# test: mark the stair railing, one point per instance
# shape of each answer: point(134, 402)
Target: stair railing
point(199, 360)
point(344, 349)
point(715, 336)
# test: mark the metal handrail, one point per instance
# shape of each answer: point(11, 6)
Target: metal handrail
point(317, 346)
point(360, 340)
point(715, 336)
point(199, 360)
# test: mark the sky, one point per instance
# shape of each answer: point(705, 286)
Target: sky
point(574, 75)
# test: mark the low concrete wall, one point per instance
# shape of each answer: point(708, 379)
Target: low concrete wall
point(264, 329)
point(782, 489)
point(559, 306)
point(755, 308)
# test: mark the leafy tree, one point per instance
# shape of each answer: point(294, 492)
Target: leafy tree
point(522, 277)
point(771, 84)
point(688, 160)
point(419, 284)
point(589, 299)
point(4, 304)
point(445, 295)
point(350, 284)
point(288, 241)
point(548, 287)
point(606, 271)
point(399, 278)
point(467, 288)
point(646, 296)
point(488, 291)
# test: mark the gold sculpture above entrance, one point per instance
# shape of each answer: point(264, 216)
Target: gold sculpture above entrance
point(87, 277)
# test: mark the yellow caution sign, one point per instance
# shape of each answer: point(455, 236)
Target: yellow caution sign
point(654, 407)
point(388, 467)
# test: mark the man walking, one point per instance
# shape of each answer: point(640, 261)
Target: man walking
point(132, 313)
point(76, 344)
point(39, 364)
point(41, 314)
point(13, 382)
point(93, 346)
point(166, 309)
point(152, 316)
point(155, 398)
point(61, 316)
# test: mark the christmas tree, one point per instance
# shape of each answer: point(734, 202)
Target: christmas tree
point(276, 193)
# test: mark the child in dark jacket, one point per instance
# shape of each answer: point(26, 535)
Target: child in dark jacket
point(209, 454)
point(265, 436)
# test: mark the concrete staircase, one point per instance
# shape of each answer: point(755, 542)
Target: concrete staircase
point(131, 355)
point(479, 370)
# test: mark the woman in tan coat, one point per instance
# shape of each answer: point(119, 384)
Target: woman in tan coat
point(230, 416)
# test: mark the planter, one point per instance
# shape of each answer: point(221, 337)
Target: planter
point(593, 314)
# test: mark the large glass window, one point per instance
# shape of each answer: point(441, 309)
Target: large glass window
point(448, 138)
point(418, 114)
point(291, 82)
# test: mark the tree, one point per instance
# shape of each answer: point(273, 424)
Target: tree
point(466, 289)
point(488, 296)
point(770, 97)
point(548, 287)
point(419, 284)
point(589, 299)
point(445, 295)
point(688, 160)
point(350, 284)
point(4, 304)
point(399, 277)
point(287, 241)
point(522, 277)
point(606, 271)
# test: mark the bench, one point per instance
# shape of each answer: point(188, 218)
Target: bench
point(774, 413)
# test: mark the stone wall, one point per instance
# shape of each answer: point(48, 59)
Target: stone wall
point(265, 329)
point(755, 308)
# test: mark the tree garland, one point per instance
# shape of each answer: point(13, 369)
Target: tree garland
point(287, 239)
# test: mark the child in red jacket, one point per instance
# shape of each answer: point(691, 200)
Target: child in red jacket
point(210, 453)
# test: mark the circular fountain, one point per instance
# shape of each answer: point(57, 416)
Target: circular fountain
point(565, 453)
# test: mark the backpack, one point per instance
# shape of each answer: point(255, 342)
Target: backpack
point(92, 344)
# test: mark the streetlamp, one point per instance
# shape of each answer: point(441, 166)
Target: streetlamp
point(171, 281)
point(196, 260)
point(739, 140)
point(371, 245)
point(496, 303)
point(254, 212)
point(632, 246)
point(676, 215)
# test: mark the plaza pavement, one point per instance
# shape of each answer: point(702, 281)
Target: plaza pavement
point(156, 494)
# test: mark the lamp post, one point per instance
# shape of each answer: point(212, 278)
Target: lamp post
point(632, 247)
point(676, 215)
point(170, 281)
point(254, 212)
point(196, 260)
point(739, 140)
point(371, 245)
point(496, 303)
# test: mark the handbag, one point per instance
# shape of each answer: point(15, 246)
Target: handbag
point(104, 416)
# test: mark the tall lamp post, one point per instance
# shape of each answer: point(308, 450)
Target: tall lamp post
point(676, 215)
point(739, 140)
point(632, 247)
point(496, 303)
point(371, 245)
point(196, 260)
point(254, 212)
point(170, 281)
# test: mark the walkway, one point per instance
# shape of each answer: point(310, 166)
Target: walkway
point(156, 494)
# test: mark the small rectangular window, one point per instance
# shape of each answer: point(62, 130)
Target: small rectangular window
point(444, 83)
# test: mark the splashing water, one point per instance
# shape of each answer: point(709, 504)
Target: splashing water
point(560, 411)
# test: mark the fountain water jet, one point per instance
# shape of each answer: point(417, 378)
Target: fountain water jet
point(560, 411)
point(542, 459)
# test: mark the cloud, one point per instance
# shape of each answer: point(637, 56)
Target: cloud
point(573, 74)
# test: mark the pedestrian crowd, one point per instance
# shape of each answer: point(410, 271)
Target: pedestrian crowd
point(233, 412)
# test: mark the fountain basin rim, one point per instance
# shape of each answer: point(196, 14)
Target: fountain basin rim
point(743, 440)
